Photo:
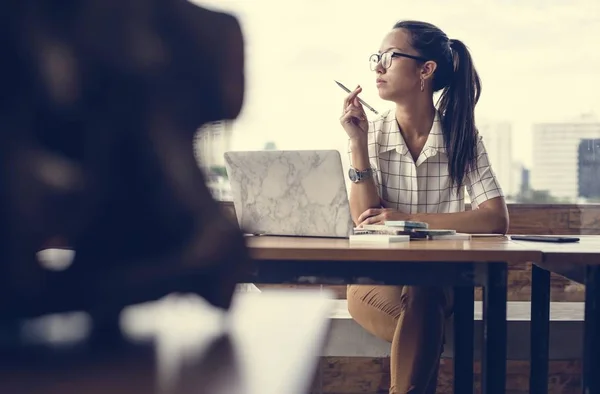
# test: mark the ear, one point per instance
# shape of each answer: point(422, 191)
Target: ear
point(428, 69)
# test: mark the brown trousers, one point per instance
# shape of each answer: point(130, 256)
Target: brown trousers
point(412, 319)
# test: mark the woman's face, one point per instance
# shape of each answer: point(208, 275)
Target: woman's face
point(403, 77)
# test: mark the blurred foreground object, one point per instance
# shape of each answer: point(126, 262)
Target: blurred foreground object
point(179, 345)
point(99, 103)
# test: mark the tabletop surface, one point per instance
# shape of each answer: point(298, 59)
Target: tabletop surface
point(586, 251)
point(484, 249)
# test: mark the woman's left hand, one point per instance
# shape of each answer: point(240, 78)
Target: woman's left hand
point(381, 215)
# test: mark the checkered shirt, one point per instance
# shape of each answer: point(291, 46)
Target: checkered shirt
point(423, 186)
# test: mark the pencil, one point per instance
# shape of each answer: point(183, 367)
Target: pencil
point(359, 99)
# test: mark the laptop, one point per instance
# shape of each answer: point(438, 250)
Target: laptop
point(291, 193)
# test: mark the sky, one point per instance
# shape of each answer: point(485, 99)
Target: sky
point(537, 60)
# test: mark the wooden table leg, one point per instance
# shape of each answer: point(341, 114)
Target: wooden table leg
point(591, 347)
point(493, 371)
point(463, 339)
point(539, 330)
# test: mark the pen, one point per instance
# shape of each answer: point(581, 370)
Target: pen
point(359, 99)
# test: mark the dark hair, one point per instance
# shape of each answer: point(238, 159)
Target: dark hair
point(455, 75)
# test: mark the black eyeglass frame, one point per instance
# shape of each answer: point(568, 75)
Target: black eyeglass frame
point(393, 54)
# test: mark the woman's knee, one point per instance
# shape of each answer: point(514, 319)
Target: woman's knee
point(376, 313)
point(385, 299)
point(423, 299)
point(354, 298)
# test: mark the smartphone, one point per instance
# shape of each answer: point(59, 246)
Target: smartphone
point(544, 238)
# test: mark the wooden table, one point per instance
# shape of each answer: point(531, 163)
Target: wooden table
point(462, 264)
point(580, 262)
point(267, 343)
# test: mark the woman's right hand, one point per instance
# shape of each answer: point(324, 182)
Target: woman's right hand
point(354, 119)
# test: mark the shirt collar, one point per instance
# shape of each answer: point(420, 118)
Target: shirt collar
point(390, 137)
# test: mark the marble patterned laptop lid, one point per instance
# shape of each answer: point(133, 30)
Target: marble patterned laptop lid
point(295, 193)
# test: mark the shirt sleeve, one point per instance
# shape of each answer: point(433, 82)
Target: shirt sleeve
point(481, 182)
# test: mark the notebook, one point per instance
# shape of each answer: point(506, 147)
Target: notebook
point(378, 238)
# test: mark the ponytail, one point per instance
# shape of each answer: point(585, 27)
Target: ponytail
point(457, 109)
point(456, 77)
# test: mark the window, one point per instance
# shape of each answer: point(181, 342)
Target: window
point(537, 59)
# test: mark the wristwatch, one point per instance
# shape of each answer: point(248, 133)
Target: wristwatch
point(357, 176)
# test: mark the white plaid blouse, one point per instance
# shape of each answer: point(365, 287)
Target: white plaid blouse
point(423, 186)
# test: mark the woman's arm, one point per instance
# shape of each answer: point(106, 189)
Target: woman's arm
point(363, 195)
point(490, 217)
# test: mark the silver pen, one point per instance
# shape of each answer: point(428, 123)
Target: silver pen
point(359, 99)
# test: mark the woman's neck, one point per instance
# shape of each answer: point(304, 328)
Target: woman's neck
point(415, 118)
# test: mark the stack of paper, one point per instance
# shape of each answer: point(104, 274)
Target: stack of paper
point(379, 238)
point(406, 224)
point(408, 228)
point(379, 229)
point(454, 237)
point(401, 230)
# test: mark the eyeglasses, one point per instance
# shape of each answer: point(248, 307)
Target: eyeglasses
point(386, 59)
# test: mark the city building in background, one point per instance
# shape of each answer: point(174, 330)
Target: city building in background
point(519, 180)
point(525, 180)
point(497, 138)
point(556, 156)
point(270, 146)
point(588, 174)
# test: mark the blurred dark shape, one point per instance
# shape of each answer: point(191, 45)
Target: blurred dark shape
point(99, 102)
point(216, 370)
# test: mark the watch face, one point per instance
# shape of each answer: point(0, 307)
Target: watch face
point(352, 175)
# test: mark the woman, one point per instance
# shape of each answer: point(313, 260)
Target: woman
point(413, 163)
